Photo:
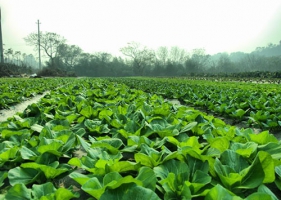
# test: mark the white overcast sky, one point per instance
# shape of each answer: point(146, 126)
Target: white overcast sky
point(108, 25)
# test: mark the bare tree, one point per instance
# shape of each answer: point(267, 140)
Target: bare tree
point(141, 56)
point(49, 43)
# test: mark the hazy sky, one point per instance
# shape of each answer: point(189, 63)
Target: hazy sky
point(108, 25)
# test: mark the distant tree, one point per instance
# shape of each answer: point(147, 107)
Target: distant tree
point(141, 56)
point(162, 54)
point(177, 55)
point(24, 59)
point(101, 62)
point(197, 62)
point(269, 50)
point(192, 67)
point(273, 63)
point(83, 67)
point(17, 54)
point(225, 65)
point(200, 56)
point(119, 68)
point(254, 62)
point(31, 60)
point(173, 69)
point(49, 43)
point(9, 52)
point(69, 54)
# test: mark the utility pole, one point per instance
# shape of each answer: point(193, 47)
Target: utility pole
point(1, 42)
point(39, 44)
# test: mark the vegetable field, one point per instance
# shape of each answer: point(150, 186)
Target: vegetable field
point(257, 105)
point(120, 139)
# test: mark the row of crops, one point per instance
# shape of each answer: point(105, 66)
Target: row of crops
point(258, 105)
point(96, 139)
point(13, 91)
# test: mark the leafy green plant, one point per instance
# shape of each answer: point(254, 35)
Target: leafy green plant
point(122, 143)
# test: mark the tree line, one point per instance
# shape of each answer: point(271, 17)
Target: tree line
point(139, 60)
point(19, 59)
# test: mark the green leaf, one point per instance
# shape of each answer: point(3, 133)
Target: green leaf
point(147, 177)
point(274, 149)
point(105, 114)
point(7, 155)
point(129, 192)
point(199, 180)
point(220, 193)
point(249, 175)
point(18, 192)
point(37, 128)
point(192, 142)
point(96, 126)
point(27, 154)
point(111, 145)
point(93, 187)
point(49, 171)
point(39, 191)
point(220, 143)
point(263, 138)
point(239, 113)
point(53, 148)
point(65, 194)
point(263, 189)
point(83, 143)
point(196, 164)
point(96, 189)
point(227, 175)
point(8, 133)
point(111, 177)
point(87, 111)
point(172, 166)
point(259, 196)
point(268, 166)
point(232, 159)
point(145, 160)
point(188, 127)
point(140, 193)
point(245, 150)
point(123, 166)
point(79, 178)
point(20, 175)
point(3, 176)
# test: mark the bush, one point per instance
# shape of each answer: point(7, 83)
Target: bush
point(47, 71)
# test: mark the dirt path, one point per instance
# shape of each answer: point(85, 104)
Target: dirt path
point(6, 113)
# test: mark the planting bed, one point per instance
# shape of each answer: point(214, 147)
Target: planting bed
point(13, 91)
point(257, 105)
point(98, 139)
